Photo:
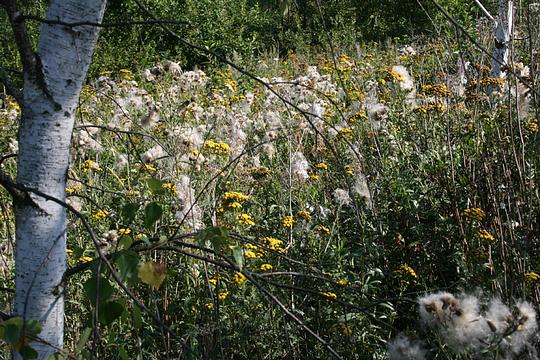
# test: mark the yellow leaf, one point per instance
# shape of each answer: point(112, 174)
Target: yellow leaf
point(152, 273)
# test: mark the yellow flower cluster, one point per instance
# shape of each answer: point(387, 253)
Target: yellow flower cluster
point(239, 278)
point(484, 234)
point(85, 259)
point(438, 90)
point(287, 221)
point(90, 165)
point(532, 126)
point(342, 282)
point(329, 295)
point(125, 74)
point(349, 170)
point(532, 276)
point(345, 133)
point(249, 254)
point(436, 107)
point(100, 215)
point(322, 229)
point(217, 148)
point(304, 214)
point(359, 115)
point(266, 267)
point(494, 81)
point(273, 243)
point(222, 295)
point(406, 269)
point(392, 75)
point(474, 214)
point(245, 219)
point(170, 187)
point(124, 231)
point(234, 200)
point(69, 252)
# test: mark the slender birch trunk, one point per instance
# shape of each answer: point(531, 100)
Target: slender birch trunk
point(51, 93)
point(503, 32)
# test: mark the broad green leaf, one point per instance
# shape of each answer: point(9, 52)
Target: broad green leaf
point(125, 243)
point(152, 273)
point(110, 311)
point(137, 317)
point(12, 329)
point(155, 186)
point(32, 327)
point(123, 354)
point(238, 256)
point(28, 353)
point(127, 266)
point(152, 213)
point(85, 334)
point(105, 289)
point(218, 237)
point(129, 211)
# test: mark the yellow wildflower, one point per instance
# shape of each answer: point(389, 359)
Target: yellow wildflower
point(239, 278)
point(322, 166)
point(245, 219)
point(85, 259)
point(349, 170)
point(314, 177)
point(328, 295)
point(475, 214)
point(287, 221)
point(235, 205)
point(484, 234)
point(140, 236)
point(100, 215)
point(260, 172)
point(304, 214)
point(90, 165)
point(126, 74)
point(532, 126)
point(209, 306)
point(69, 252)
point(170, 187)
point(213, 281)
point(217, 148)
point(124, 231)
point(343, 282)
point(266, 267)
point(252, 254)
point(273, 243)
point(222, 295)
point(322, 229)
point(235, 196)
point(532, 276)
point(406, 269)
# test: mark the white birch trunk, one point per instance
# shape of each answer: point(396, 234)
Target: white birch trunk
point(503, 32)
point(44, 142)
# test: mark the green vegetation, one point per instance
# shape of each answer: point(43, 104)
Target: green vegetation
point(353, 184)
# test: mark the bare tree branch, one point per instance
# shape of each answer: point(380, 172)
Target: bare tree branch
point(103, 25)
point(28, 56)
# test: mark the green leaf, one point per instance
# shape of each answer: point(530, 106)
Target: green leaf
point(238, 256)
point(123, 354)
point(137, 317)
point(85, 334)
point(110, 311)
point(125, 242)
point(127, 266)
point(105, 289)
point(32, 327)
point(28, 353)
point(155, 186)
point(12, 329)
point(218, 237)
point(152, 213)
point(129, 211)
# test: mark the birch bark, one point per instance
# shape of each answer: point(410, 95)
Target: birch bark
point(503, 32)
point(51, 93)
